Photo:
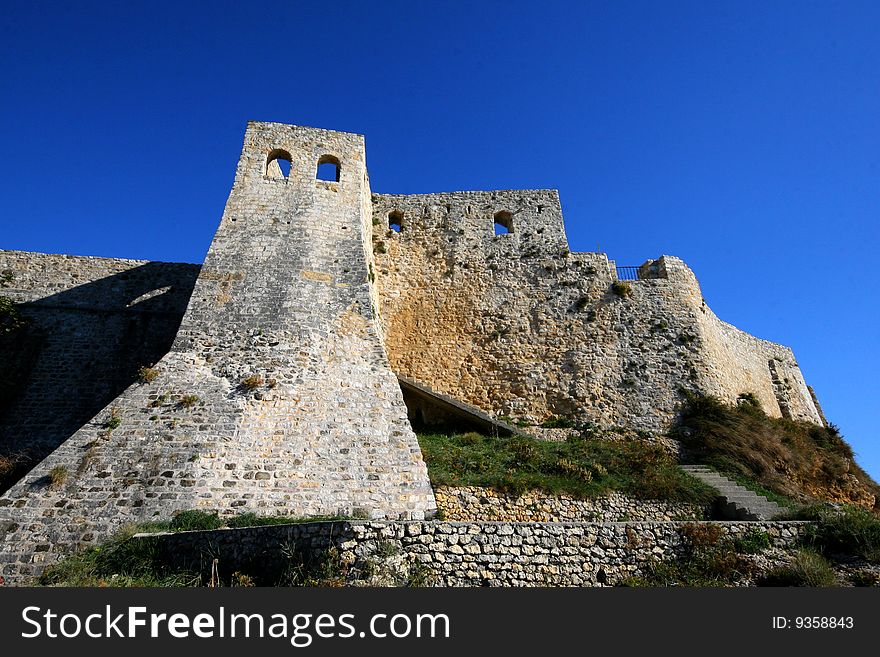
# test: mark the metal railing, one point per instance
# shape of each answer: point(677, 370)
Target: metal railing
point(627, 273)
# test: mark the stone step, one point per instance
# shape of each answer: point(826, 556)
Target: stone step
point(734, 501)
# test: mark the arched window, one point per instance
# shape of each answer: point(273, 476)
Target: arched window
point(503, 223)
point(328, 168)
point(278, 164)
point(395, 221)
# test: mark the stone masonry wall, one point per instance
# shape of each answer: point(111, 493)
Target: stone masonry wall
point(461, 553)
point(276, 397)
point(476, 504)
point(517, 325)
point(93, 322)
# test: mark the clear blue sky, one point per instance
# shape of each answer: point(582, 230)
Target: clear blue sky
point(743, 137)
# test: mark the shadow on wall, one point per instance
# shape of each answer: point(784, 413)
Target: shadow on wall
point(78, 351)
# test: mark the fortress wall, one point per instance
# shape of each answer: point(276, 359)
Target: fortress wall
point(100, 284)
point(283, 295)
point(740, 361)
point(735, 362)
point(93, 322)
point(517, 325)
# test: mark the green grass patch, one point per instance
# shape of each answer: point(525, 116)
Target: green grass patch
point(752, 542)
point(253, 520)
point(581, 467)
point(195, 521)
point(557, 422)
point(118, 562)
point(125, 561)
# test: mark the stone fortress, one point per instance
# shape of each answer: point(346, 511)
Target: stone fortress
point(276, 364)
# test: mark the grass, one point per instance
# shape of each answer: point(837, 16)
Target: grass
point(252, 382)
point(114, 420)
point(11, 320)
point(124, 562)
point(147, 374)
point(8, 463)
point(752, 542)
point(188, 401)
point(118, 562)
point(324, 569)
point(13, 466)
point(58, 476)
point(196, 520)
point(807, 568)
point(623, 289)
point(581, 467)
point(557, 422)
point(797, 461)
point(848, 531)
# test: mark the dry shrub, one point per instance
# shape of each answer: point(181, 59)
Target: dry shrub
point(698, 536)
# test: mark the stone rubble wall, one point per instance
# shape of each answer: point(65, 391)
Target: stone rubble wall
point(462, 553)
point(517, 325)
point(477, 504)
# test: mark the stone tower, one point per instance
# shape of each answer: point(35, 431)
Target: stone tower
point(277, 396)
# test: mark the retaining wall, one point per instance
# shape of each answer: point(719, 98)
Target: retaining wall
point(476, 504)
point(460, 553)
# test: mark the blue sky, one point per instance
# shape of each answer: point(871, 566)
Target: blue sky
point(741, 136)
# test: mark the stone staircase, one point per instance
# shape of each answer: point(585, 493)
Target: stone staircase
point(734, 501)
